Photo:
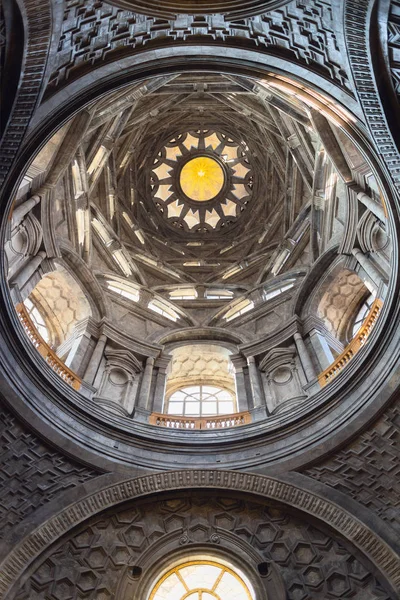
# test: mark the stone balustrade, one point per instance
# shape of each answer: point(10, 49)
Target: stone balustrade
point(44, 350)
point(356, 343)
point(196, 423)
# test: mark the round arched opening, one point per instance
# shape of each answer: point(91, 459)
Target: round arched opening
point(162, 267)
point(202, 579)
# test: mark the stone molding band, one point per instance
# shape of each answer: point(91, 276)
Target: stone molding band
point(358, 14)
point(37, 25)
point(378, 552)
point(168, 9)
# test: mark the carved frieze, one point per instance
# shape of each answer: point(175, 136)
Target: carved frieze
point(96, 32)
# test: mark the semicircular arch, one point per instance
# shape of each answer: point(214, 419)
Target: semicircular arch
point(291, 494)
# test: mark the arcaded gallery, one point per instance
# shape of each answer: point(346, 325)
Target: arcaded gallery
point(200, 310)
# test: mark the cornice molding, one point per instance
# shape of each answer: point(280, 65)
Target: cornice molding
point(127, 341)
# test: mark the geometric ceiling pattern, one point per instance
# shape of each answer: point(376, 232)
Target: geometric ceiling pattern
point(262, 147)
point(202, 181)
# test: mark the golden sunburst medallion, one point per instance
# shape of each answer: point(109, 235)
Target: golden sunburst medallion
point(202, 178)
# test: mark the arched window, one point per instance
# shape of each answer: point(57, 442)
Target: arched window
point(201, 401)
point(202, 580)
point(273, 291)
point(37, 320)
point(239, 309)
point(362, 313)
point(122, 288)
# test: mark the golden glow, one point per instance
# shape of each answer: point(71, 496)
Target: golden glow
point(320, 102)
point(202, 178)
point(202, 580)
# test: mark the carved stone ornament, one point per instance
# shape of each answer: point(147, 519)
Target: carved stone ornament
point(357, 534)
point(172, 8)
point(119, 381)
point(281, 379)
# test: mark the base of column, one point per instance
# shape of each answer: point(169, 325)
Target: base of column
point(141, 414)
point(259, 414)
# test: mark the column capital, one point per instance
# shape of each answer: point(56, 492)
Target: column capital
point(238, 362)
point(357, 252)
point(162, 362)
point(368, 266)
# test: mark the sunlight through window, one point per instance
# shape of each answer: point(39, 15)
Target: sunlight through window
point(202, 580)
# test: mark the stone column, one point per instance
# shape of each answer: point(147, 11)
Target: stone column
point(269, 401)
point(241, 394)
point(144, 396)
point(304, 357)
point(77, 353)
point(133, 393)
point(255, 383)
point(321, 348)
point(373, 206)
point(24, 275)
point(95, 360)
point(19, 213)
point(161, 380)
point(128, 399)
point(369, 268)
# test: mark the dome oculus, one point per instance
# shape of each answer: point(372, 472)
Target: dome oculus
point(202, 181)
point(202, 178)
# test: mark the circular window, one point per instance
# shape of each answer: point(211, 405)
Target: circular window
point(202, 178)
point(202, 580)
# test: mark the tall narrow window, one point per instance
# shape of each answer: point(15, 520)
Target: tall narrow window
point(37, 320)
point(362, 313)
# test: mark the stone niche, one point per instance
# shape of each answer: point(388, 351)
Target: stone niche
point(25, 241)
point(119, 382)
point(283, 385)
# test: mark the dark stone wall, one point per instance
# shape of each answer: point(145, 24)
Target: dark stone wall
point(31, 472)
point(368, 469)
point(92, 561)
point(96, 32)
